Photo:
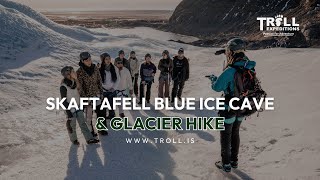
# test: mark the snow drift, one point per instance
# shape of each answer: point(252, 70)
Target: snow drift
point(73, 32)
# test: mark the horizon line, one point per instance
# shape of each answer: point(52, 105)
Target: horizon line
point(96, 10)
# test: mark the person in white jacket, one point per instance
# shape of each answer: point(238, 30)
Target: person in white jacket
point(125, 83)
point(135, 66)
point(110, 82)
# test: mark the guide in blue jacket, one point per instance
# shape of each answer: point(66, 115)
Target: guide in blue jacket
point(230, 137)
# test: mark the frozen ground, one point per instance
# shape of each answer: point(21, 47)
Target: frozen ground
point(280, 144)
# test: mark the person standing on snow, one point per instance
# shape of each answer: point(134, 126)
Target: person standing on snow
point(165, 66)
point(90, 85)
point(125, 62)
point(110, 81)
point(180, 74)
point(125, 83)
point(147, 73)
point(134, 65)
point(230, 137)
point(69, 90)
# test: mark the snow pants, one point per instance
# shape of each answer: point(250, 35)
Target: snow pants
point(177, 88)
point(163, 83)
point(230, 141)
point(79, 116)
point(89, 115)
point(148, 93)
point(135, 84)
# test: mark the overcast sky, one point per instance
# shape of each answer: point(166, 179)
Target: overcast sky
point(101, 4)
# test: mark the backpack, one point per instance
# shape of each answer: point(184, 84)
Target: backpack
point(247, 85)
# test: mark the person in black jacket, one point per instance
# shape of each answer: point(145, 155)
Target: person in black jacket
point(180, 74)
point(147, 73)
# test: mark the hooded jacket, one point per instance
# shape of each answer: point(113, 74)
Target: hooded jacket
point(165, 66)
point(225, 82)
point(180, 69)
point(146, 71)
point(134, 65)
point(125, 81)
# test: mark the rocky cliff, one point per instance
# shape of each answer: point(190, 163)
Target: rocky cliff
point(215, 21)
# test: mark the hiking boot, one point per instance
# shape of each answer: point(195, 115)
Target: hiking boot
point(224, 167)
point(76, 142)
point(234, 164)
point(122, 115)
point(179, 98)
point(148, 101)
point(93, 141)
point(103, 133)
point(140, 102)
point(94, 134)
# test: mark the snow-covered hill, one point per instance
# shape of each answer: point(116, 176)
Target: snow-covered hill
point(280, 144)
point(75, 33)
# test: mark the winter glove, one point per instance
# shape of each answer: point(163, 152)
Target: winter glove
point(213, 78)
point(73, 110)
point(68, 124)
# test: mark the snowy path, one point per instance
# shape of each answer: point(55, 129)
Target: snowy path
point(274, 144)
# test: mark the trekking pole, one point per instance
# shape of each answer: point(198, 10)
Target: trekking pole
point(223, 65)
point(223, 68)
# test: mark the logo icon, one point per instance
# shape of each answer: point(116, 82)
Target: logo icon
point(278, 25)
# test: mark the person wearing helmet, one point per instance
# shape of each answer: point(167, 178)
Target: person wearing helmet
point(230, 138)
point(165, 67)
point(90, 84)
point(69, 90)
point(134, 65)
point(147, 73)
point(121, 57)
point(110, 81)
point(180, 74)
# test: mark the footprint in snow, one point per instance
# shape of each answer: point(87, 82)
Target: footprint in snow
point(273, 141)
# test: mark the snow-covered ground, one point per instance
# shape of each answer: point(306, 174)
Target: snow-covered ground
point(280, 144)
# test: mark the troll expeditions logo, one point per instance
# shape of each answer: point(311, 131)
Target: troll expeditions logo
point(278, 26)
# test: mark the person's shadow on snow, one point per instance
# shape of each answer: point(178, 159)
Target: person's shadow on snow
point(73, 165)
point(90, 166)
point(191, 113)
point(137, 160)
point(122, 160)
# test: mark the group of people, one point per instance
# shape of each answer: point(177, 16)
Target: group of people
point(118, 79)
